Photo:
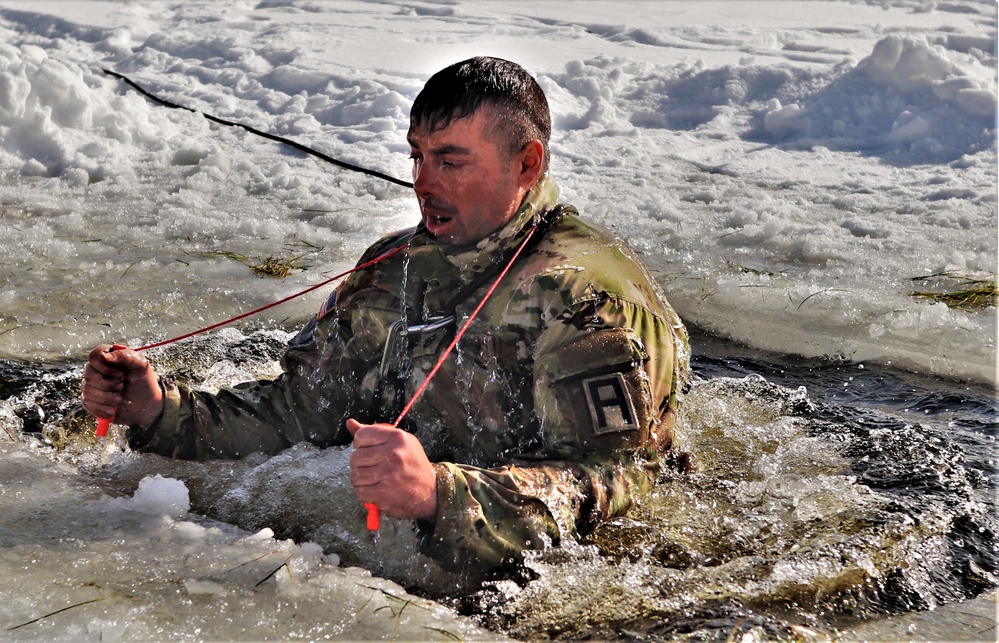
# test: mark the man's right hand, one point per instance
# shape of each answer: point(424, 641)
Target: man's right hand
point(121, 385)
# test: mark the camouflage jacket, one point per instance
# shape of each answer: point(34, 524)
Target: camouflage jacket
point(550, 415)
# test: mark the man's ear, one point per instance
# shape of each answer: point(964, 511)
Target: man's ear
point(532, 161)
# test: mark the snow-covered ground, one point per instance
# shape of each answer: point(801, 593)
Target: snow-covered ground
point(786, 168)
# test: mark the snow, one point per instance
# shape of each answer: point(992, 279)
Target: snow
point(786, 169)
point(157, 496)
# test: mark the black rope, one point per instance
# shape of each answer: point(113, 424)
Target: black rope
point(267, 135)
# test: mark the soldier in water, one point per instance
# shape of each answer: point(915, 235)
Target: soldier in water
point(555, 410)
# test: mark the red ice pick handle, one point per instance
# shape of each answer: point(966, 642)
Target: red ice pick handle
point(104, 423)
point(374, 516)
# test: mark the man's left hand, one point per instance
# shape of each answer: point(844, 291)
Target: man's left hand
point(390, 468)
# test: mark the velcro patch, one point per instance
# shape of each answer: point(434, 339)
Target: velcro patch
point(611, 408)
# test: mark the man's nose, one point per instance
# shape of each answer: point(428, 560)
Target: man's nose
point(424, 178)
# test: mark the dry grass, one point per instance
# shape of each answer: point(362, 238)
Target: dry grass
point(274, 265)
point(957, 290)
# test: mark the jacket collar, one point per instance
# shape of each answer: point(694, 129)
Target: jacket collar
point(471, 261)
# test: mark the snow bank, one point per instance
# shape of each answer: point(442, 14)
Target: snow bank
point(908, 101)
point(54, 124)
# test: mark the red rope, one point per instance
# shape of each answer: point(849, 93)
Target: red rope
point(272, 304)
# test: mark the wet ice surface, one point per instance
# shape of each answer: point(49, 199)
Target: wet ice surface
point(79, 565)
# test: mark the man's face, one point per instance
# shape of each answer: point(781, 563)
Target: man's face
point(466, 184)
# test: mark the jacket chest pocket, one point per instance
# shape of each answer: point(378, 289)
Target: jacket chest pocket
point(491, 377)
point(495, 351)
point(374, 317)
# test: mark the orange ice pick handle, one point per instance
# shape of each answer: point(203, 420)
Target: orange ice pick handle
point(104, 423)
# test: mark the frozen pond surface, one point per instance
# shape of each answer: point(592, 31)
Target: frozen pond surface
point(81, 566)
point(789, 181)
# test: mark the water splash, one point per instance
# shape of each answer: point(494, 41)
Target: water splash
point(803, 515)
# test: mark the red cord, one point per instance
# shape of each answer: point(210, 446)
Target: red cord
point(374, 513)
point(104, 423)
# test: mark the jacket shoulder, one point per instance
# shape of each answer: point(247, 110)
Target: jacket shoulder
point(577, 256)
point(386, 243)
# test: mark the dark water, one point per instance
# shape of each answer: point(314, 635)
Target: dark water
point(826, 494)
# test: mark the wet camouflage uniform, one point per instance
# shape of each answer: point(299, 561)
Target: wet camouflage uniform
point(549, 417)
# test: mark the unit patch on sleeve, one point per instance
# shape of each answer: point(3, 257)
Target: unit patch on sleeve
point(611, 408)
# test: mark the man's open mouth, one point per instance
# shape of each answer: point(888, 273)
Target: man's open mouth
point(435, 215)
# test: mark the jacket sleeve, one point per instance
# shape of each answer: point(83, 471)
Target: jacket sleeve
point(605, 388)
point(487, 518)
point(264, 416)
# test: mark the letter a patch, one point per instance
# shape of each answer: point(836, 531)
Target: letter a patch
point(611, 408)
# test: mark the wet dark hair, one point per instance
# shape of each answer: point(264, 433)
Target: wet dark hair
point(520, 109)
